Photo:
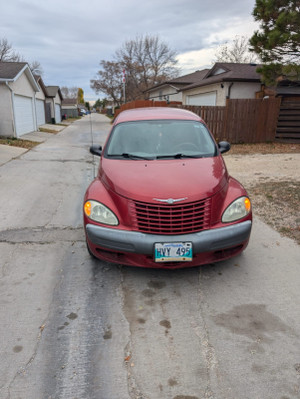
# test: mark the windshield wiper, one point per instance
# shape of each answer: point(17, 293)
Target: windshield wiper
point(179, 156)
point(130, 156)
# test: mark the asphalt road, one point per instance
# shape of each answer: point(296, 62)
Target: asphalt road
point(75, 328)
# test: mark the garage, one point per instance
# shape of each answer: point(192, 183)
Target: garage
point(24, 116)
point(40, 112)
point(203, 99)
point(57, 113)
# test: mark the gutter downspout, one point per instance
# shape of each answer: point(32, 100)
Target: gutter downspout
point(229, 90)
point(13, 107)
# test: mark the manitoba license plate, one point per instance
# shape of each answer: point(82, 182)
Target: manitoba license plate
point(173, 252)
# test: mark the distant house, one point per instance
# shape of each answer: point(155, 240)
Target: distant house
point(210, 86)
point(18, 88)
point(170, 90)
point(40, 103)
point(53, 104)
point(69, 107)
point(222, 81)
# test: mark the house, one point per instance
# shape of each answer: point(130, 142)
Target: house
point(223, 81)
point(18, 88)
point(53, 104)
point(40, 102)
point(170, 90)
point(69, 107)
point(210, 86)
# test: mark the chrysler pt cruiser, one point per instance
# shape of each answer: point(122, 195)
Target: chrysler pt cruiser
point(162, 196)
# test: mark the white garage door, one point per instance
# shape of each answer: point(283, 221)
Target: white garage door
point(57, 113)
point(202, 99)
point(40, 112)
point(23, 115)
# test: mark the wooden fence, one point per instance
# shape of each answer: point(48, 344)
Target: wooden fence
point(240, 121)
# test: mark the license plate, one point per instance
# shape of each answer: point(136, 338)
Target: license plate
point(173, 252)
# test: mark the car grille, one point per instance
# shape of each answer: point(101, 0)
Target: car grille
point(171, 219)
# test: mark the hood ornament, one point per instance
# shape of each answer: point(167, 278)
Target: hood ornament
point(170, 200)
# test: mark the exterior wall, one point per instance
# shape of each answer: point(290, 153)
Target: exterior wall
point(239, 90)
point(158, 95)
point(57, 99)
point(40, 94)
point(51, 102)
point(6, 115)
point(70, 111)
point(22, 86)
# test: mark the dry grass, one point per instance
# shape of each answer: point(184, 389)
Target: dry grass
point(265, 148)
point(18, 143)
point(43, 129)
point(277, 203)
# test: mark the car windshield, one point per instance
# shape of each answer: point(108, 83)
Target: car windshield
point(160, 139)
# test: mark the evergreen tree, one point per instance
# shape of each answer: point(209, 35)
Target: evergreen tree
point(278, 41)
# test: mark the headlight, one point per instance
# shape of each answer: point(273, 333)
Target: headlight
point(100, 213)
point(237, 210)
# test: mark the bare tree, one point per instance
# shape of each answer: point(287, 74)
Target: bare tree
point(36, 68)
point(7, 53)
point(109, 81)
point(146, 60)
point(236, 51)
point(69, 92)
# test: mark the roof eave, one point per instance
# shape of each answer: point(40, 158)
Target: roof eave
point(203, 84)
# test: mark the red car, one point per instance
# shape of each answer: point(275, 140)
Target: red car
point(163, 196)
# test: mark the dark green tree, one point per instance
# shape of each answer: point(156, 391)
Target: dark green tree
point(277, 42)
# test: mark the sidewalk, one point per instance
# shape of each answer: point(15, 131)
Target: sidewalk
point(9, 152)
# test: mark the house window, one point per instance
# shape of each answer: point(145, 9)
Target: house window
point(160, 95)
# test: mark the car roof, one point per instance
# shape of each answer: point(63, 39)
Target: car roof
point(153, 113)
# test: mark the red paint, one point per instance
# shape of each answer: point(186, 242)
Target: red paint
point(122, 182)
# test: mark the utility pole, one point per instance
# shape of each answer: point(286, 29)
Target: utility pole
point(124, 82)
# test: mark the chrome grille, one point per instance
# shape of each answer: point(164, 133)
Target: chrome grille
point(171, 219)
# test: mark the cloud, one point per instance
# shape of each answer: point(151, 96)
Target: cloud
point(69, 38)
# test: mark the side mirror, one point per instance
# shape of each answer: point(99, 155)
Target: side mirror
point(96, 150)
point(224, 146)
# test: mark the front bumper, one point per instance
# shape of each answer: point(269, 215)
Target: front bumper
point(141, 243)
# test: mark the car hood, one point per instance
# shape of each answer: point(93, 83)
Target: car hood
point(192, 179)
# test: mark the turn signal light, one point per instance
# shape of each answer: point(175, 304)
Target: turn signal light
point(247, 204)
point(88, 208)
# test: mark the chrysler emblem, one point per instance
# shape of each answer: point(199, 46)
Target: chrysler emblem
point(170, 200)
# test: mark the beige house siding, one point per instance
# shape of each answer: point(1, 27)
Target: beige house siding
point(241, 90)
point(160, 93)
point(57, 99)
point(40, 95)
point(236, 90)
point(53, 101)
point(22, 86)
point(7, 119)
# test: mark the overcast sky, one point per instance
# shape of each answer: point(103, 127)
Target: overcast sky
point(69, 38)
